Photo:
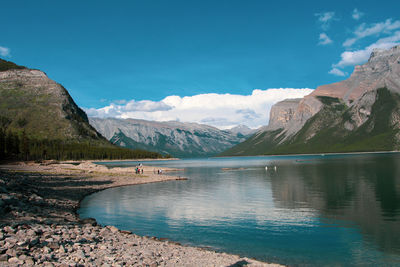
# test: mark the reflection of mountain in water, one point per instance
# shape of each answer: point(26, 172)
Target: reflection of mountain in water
point(364, 190)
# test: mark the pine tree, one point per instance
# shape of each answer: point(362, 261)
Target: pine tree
point(2, 143)
point(24, 146)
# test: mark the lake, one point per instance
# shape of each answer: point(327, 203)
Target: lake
point(309, 210)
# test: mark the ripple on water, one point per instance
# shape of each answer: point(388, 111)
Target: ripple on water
point(336, 209)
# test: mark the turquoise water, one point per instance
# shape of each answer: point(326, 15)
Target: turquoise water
point(311, 210)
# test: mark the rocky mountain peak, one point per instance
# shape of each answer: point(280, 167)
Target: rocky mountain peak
point(379, 54)
point(242, 129)
point(360, 113)
point(381, 70)
point(282, 113)
point(176, 138)
point(45, 106)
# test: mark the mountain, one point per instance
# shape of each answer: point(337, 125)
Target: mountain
point(242, 130)
point(32, 102)
point(174, 138)
point(40, 120)
point(361, 113)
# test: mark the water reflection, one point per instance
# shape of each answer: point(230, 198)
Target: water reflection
point(334, 209)
point(363, 190)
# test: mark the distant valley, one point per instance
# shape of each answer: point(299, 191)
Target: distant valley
point(174, 138)
point(362, 113)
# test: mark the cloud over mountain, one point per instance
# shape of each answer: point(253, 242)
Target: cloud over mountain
point(351, 58)
point(385, 34)
point(375, 29)
point(219, 110)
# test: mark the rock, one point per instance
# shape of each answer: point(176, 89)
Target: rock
point(11, 252)
point(104, 231)
point(34, 241)
point(76, 245)
point(80, 254)
point(49, 240)
point(148, 253)
point(15, 260)
point(87, 250)
point(113, 229)
point(53, 245)
point(109, 258)
point(22, 257)
point(4, 257)
point(9, 229)
point(46, 250)
point(89, 221)
point(30, 232)
point(62, 249)
point(22, 243)
point(10, 241)
point(3, 190)
point(29, 261)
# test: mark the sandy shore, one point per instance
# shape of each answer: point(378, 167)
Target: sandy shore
point(39, 224)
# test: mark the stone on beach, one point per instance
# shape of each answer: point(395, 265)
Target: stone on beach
point(39, 226)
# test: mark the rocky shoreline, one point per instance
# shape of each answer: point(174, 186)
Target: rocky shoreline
point(39, 225)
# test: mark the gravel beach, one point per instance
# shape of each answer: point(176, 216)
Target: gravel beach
point(39, 224)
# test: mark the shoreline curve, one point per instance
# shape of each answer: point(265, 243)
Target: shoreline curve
point(102, 242)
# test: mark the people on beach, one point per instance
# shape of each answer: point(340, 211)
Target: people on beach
point(139, 169)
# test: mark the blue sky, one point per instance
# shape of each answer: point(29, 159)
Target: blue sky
point(112, 53)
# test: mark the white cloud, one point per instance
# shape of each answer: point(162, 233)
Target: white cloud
point(337, 72)
point(145, 106)
point(120, 101)
point(324, 39)
point(325, 19)
point(219, 110)
point(4, 51)
point(124, 107)
point(227, 202)
point(363, 30)
point(351, 58)
point(357, 14)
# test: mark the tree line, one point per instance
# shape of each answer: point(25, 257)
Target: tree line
point(19, 146)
